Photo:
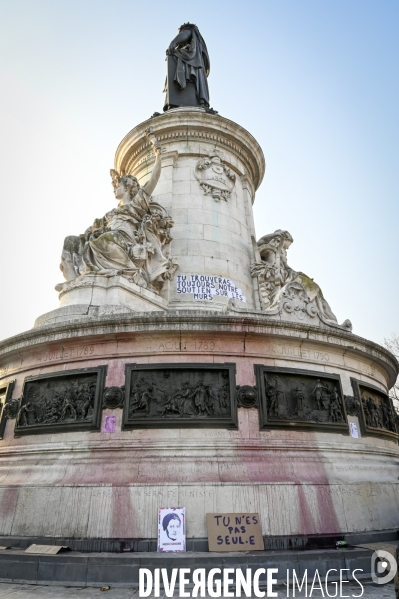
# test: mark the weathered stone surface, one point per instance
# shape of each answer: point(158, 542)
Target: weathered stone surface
point(209, 237)
point(102, 485)
point(97, 295)
point(108, 485)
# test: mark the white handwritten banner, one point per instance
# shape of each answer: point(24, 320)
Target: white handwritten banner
point(206, 287)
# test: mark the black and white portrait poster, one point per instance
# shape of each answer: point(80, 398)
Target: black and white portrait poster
point(172, 529)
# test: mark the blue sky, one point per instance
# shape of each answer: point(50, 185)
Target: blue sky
point(316, 83)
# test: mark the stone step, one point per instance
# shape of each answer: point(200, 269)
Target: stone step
point(276, 542)
point(72, 568)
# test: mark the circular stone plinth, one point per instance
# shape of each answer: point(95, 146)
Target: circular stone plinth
point(110, 485)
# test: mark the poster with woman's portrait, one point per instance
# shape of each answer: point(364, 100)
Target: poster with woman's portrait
point(172, 529)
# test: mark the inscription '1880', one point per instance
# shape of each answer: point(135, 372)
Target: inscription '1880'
point(65, 354)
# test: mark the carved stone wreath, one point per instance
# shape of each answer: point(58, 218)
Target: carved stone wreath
point(214, 177)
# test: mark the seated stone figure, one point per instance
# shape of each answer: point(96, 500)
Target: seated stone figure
point(282, 289)
point(129, 240)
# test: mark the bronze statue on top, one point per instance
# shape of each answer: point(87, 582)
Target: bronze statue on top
point(188, 67)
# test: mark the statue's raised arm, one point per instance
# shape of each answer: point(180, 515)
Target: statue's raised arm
point(156, 171)
point(129, 240)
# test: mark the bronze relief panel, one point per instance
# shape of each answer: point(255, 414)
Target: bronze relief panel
point(5, 404)
point(300, 399)
point(61, 402)
point(376, 415)
point(180, 395)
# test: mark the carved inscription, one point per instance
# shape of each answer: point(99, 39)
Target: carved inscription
point(195, 493)
point(66, 353)
point(166, 472)
point(62, 401)
point(297, 352)
point(183, 345)
point(157, 493)
point(302, 399)
point(180, 395)
point(361, 367)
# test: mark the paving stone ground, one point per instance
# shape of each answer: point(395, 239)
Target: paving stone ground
point(28, 591)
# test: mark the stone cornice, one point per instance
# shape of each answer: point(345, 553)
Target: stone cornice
point(192, 125)
point(133, 448)
point(193, 321)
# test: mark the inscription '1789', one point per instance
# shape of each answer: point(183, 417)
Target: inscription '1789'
point(69, 353)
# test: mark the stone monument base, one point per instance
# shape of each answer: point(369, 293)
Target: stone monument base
point(100, 295)
point(303, 479)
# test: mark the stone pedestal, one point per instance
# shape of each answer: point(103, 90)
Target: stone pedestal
point(97, 485)
point(101, 295)
point(304, 477)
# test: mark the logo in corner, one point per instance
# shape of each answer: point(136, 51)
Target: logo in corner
point(383, 567)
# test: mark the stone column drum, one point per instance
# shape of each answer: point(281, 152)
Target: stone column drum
point(212, 211)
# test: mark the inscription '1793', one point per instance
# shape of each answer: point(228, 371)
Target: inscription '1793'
point(68, 353)
point(205, 345)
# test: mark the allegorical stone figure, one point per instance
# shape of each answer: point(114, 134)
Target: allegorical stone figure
point(283, 289)
point(187, 69)
point(129, 240)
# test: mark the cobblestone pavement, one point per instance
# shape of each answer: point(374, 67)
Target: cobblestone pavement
point(28, 591)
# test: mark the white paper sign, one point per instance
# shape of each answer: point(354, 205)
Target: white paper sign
point(354, 431)
point(206, 287)
point(171, 529)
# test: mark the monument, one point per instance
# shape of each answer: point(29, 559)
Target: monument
point(232, 385)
